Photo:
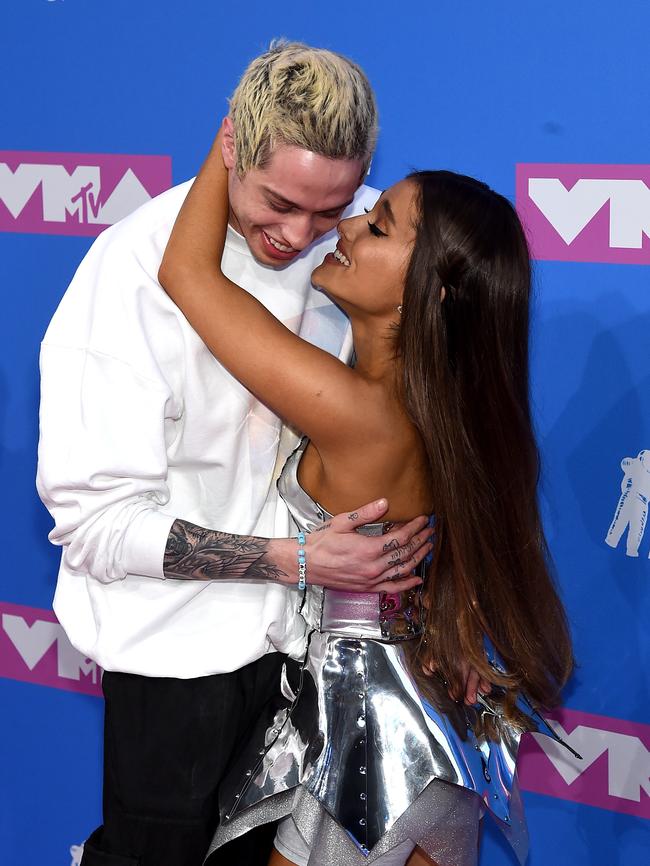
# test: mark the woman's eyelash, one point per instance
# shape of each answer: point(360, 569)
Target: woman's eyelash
point(377, 232)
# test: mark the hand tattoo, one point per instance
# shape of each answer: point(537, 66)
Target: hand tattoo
point(195, 553)
point(353, 516)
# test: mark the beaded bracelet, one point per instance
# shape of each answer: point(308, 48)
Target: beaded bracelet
point(302, 563)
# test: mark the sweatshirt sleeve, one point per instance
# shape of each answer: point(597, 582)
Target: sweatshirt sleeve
point(103, 463)
point(111, 366)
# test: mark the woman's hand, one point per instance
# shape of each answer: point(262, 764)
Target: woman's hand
point(474, 683)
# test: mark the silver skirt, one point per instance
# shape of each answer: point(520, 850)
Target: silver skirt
point(356, 753)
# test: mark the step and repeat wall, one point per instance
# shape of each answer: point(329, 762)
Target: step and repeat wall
point(106, 103)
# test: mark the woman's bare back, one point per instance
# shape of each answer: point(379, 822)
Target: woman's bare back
point(385, 457)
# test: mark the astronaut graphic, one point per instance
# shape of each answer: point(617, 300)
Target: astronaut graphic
point(632, 509)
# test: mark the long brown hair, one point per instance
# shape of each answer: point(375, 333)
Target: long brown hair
point(463, 347)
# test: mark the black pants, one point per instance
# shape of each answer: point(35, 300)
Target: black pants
point(167, 744)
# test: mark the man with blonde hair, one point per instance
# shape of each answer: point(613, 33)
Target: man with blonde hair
point(146, 440)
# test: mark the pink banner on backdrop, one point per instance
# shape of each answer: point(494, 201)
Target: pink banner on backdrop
point(75, 193)
point(586, 213)
point(614, 772)
point(35, 649)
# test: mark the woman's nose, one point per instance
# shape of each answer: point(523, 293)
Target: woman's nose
point(346, 227)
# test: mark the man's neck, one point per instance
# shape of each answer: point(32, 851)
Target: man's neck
point(233, 222)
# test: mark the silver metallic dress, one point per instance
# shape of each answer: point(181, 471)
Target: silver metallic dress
point(355, 753)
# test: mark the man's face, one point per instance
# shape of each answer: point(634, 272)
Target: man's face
point(297, 197)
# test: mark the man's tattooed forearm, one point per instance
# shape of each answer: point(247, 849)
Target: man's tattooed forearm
point(195, 553)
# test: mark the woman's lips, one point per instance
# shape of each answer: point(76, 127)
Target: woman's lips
point(338, 257)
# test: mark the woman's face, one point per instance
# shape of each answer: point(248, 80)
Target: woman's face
point(365, 274)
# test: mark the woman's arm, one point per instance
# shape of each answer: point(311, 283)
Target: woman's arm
point(299, 382)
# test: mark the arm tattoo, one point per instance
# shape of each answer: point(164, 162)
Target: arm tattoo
point(195, 553)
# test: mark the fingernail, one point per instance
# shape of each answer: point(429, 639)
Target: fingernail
point(381, 503)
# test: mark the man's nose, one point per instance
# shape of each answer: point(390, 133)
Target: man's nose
point(299, 232)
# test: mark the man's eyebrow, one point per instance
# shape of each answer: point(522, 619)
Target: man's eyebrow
point(285, 202)
point(280, 198)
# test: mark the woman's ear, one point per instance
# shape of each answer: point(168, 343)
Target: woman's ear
point(228, 143)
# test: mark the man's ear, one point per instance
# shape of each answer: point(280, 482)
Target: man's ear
point(228, 143)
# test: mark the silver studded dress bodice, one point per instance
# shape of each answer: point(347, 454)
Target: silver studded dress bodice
point(354, 751)
point(380, 616)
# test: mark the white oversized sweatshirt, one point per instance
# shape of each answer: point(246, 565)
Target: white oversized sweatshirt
point(139, 426)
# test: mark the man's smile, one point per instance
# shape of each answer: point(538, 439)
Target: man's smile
point(277, 250)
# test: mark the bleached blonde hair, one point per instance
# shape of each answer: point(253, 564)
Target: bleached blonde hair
point(307, 97)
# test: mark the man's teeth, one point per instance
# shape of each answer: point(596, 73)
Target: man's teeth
point(338, 255)
point(278, 245)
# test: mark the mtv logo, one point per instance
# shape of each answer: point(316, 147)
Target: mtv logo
point(75, 193)
point(614, 772)
point(586, 213)
point(34, 648)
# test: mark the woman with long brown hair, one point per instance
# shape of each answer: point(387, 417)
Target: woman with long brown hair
point(367, 752)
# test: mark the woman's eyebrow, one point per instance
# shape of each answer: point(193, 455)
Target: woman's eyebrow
point(388, 210)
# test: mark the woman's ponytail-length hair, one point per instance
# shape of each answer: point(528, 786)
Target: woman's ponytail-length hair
point(463, 349)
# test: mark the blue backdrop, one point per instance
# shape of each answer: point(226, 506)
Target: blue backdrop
point(476, 87)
